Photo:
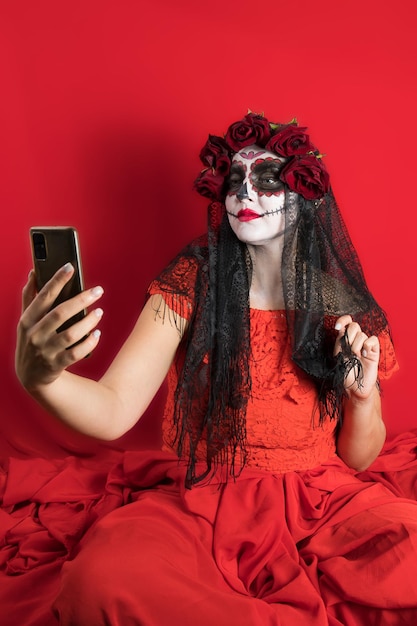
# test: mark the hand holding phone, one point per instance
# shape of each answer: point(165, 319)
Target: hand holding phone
point(53, 247)
point(42, 353)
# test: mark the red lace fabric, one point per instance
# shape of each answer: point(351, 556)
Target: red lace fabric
point(282, 434)
point(283, 430)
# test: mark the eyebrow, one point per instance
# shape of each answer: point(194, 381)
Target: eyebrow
point(237, 167)
point(274, 164)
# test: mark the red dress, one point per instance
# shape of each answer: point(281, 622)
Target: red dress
point(298, 538)
point(281, 432)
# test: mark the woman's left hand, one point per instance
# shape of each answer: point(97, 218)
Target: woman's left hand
point(366, 349)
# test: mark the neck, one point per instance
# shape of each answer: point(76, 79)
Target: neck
point(266, 287)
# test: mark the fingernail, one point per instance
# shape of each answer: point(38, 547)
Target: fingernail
point(97, 291)
point(96, 333)
point(68, 267)
point(364, 353)
point(338, 326)
point(98, 312)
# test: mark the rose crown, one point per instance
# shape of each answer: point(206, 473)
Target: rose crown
point(303, 171)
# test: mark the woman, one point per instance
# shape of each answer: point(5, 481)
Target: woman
point(274, 348)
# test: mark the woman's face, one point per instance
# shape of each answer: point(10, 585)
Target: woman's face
point(255, 197)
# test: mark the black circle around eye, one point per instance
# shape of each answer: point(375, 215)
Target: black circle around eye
point(234, 182)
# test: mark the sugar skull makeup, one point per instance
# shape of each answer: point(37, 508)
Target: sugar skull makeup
point(255, 196)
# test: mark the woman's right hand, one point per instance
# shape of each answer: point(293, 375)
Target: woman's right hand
point(42, 353)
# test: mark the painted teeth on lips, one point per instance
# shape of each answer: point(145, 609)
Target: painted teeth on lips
point(246, 215)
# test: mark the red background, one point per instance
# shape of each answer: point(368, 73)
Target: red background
point(105, 106)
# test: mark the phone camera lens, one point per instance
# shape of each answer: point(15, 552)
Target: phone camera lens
point(39, 246)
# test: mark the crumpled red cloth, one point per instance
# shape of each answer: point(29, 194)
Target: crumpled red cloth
point(48, 506)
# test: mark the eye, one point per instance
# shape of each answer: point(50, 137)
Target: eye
point(234, 182)
point(235, 179)
point(266, 175)
point(268, 180)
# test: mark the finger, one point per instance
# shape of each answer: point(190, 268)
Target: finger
point(348, 338)
point(79, 351)
point(65, 348)
point(63, 312)
point(342, 322)
point(371, 348)
point(29, 291)
point(77, 332)
point(46, 297)
point(355, 337)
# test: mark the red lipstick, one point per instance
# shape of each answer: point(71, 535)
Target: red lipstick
point(246, 215)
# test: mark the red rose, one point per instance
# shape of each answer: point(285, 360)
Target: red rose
point(289, 141)
point(215, 155)
point(252, 129)
point(307, 176)
point(209, 184)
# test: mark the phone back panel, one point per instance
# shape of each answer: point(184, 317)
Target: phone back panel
point(53, 247)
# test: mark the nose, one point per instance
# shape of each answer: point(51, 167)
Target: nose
point(243, 192)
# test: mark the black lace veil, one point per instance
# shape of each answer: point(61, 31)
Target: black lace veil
point(322, 279)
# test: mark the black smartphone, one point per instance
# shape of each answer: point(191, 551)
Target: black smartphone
point(53, 247)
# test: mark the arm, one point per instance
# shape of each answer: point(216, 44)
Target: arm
point(363, 432)
point(106, 408)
